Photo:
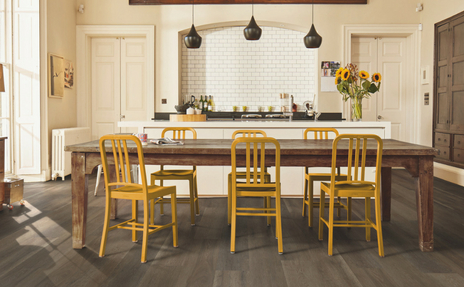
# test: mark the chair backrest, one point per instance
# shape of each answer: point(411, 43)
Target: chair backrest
point(248, 133)
point(120, 146)
point(320, 133)
point(359, 165)
point(255, 159)
point(179, 133)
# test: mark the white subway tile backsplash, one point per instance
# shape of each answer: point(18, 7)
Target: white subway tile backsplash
point(240, 73)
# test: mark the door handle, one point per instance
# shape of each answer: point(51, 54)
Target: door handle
point(379, 117)
point(123, 117)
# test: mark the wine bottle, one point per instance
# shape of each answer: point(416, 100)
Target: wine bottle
point(202, 103)
point(210, 104)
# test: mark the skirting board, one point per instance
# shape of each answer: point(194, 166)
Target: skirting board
point(449, 173)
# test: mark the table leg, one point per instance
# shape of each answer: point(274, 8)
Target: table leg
point(79, 199)
point(424, 200)
point(386, 173)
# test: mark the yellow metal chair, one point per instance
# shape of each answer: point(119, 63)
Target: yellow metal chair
point(178, 174)
point(310, 178)
point(254, 185)
point(124, 188)
point(358, 187)
point(242, 174)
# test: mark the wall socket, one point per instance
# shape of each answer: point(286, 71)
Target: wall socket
point(426, 99)
point(164, 101)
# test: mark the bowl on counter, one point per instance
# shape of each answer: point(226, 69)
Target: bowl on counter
point(181, 108)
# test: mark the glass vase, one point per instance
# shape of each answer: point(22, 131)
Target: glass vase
point(356, 109)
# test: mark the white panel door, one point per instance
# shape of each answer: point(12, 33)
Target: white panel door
point(106, 86)
point(133, 81)
point(26, 68)
point(388, 57)
point(391, 101)
point(119, 84)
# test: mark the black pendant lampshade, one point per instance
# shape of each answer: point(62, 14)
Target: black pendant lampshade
point(192, 39)
point(312, 39)
point(252, 32)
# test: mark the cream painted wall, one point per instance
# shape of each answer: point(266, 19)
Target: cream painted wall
point(61, 40)
point(169, 20)
point(435, 11)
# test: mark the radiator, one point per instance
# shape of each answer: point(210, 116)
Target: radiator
point(61, 160)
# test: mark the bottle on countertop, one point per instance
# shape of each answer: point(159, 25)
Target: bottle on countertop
point(201, 104)
point(210, 104)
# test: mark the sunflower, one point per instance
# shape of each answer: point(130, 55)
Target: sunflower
point(376, 77)
point(337, 77)
point(363, 75)
point(345, 74)
point(339, 72)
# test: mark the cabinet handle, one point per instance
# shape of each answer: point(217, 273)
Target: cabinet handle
point(459, 142)
point(439, 139)
point(444, 140)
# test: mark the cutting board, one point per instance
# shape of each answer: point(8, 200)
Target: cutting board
point(187, 118)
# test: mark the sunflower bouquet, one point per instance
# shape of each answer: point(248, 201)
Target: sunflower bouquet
point(356, 86)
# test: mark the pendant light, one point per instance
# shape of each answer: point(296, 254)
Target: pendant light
point(312, 39)
point(252, 32)
point(192, 40)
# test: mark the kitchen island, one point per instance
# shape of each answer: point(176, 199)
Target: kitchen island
point(212, 181)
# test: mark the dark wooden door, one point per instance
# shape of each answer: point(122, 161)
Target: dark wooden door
point(442, 107)
point(456, 67)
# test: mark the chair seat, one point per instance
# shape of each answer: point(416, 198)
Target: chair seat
point(173, 172)
point(350, 190)
point(136, 192)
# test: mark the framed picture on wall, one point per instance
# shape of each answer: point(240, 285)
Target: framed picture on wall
point(68, 74)
point(55, 76)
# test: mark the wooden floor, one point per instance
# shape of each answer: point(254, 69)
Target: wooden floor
point(35, 247)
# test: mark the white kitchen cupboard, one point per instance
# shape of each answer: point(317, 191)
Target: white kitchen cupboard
point(212, 181)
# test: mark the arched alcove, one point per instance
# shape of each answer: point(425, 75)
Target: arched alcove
point(237, 72)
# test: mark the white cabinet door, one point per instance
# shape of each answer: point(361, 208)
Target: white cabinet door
point(27, 87)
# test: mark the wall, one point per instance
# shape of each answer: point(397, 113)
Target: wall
point(237, 72)
point(61, 40)
point(170, 19)
point(435, 11)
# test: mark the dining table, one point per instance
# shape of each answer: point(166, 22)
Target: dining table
point(416, 159)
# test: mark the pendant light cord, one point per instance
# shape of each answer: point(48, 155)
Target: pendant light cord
point(193, 12)
point(312, 11)
point(252, 8)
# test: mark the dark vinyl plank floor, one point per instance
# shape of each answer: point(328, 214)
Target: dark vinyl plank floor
point(36, 250)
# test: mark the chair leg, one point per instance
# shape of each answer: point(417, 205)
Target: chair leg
point(161, 202)
point(305, 194)
point(135, 217)
point(197, 204)
point(229, 199)
point(311, 200)
point(192, 202)
point(279, 225)
point(378, 224)
point(368, 217)
point(174, 220)
point(268, 205)
point(98, 179)
point(152, 211)
point(321, 214)
point(348, 203)
point(339, 207)
point(233, 223)
point(106, 226)
point(331, 222)
point(145, 232)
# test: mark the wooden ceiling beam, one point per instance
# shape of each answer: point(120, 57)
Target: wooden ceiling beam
point(179, 2)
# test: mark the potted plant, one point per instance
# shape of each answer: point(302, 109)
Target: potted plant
point(356, 86)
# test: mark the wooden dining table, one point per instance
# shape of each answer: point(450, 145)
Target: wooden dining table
point(417, 159)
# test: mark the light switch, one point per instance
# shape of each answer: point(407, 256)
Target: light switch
point(426, 99)
point(164, 101)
